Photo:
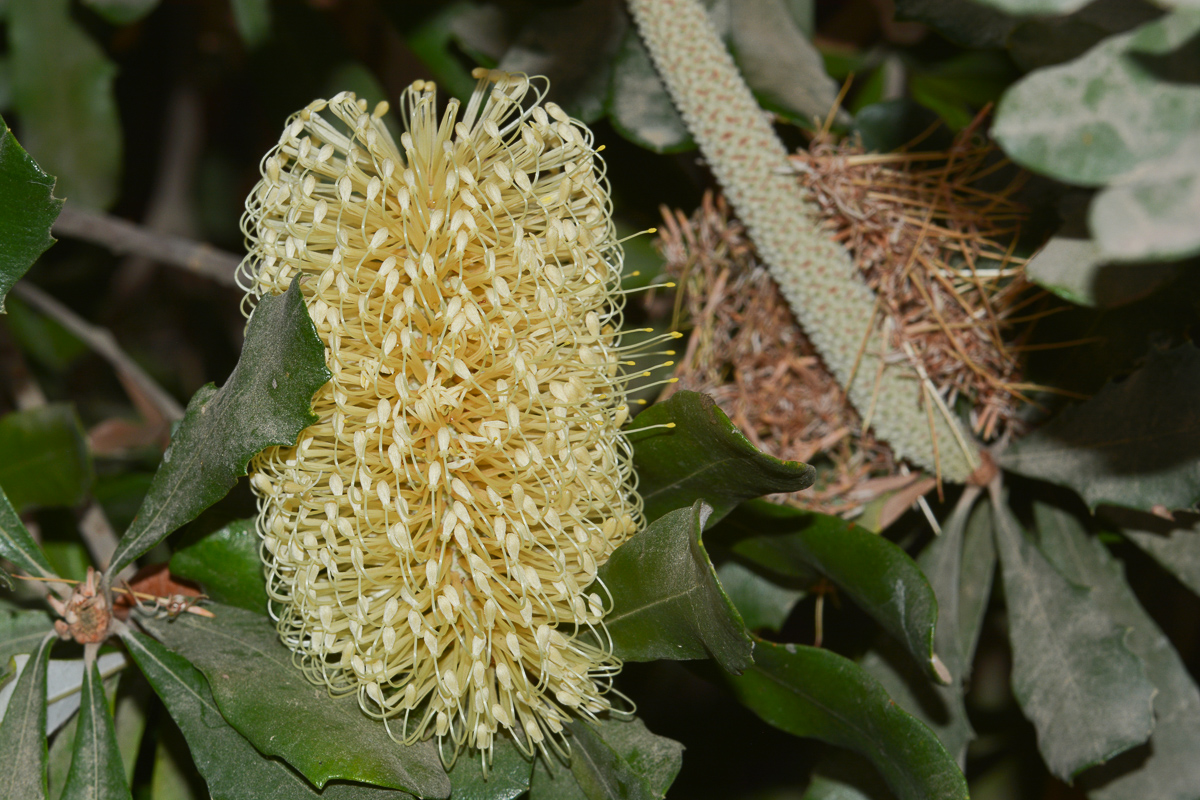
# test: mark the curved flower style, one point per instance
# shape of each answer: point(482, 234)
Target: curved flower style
point(429, 542)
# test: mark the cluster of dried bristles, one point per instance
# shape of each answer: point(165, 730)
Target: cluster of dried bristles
point(936, 249)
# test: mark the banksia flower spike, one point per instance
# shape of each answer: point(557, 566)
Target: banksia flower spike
point(429, 544)
point(816, 275)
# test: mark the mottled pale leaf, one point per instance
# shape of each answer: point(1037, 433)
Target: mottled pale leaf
point(1099, 116)
point(1151, 212)
point(63, 94)
point(682, 612)
point(703, 457)
point(876, 574)
point(762, 603)
point(44, 457)
point(1135, 443)
point(639, 106)
point(97, 772)
point(23, 731)
point(27, 210)
point(231, 766)
point(1177, 551)
point(1167, 769)
point(266, 401)
point(1073, 673)
point(226, 564)
point(811, 692)
point(268, 700)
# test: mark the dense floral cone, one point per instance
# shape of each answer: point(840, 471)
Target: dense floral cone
point(429, 543)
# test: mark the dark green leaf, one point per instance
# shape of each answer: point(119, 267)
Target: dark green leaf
point(226, 564)
point(17, 546)
point(268, 700)
point(63, 91)
point(1177, 551)
point(553, 780)
point(811, 692)
point(639, 105)
point(231, 766)
point(1097, 117)
point(612, 760)
point(132, 696)
point(121, 12)
point(27, 210)
point(956, 89)
point(682, 613)
point(876, 574)
point(97, 772)
point(1150, 212)
point(1147, 460)
point(969, 24)
point(1045, 41)
point(253, 20)
point(23, 731)
point(1074, 676)
point(703, 457)
point(20, 632)
point(432, 40)
point(1167, 769)
point(778, 61)
point(266, 401)
point(507, 777)
point(44, 457)
point(761, 602)
point(975, 584)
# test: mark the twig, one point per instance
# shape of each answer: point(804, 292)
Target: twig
point(197, 610)
point(124, 237)
point(103, 342)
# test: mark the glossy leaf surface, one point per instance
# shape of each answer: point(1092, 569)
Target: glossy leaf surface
point(27, 210)
point(703, 457)
point(231, 766)
point(226, 564)
point(270, 702)
point(811, 692)
point(682, 613)
point(266, 401)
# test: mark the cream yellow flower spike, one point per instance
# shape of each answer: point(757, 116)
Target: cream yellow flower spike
point(817, 276)
point(430, 541)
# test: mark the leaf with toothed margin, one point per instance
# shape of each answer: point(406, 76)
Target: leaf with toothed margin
point(266, 401)
point(27, 210)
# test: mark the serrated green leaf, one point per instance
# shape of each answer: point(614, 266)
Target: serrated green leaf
point(638, 104)
point(63, 93)
point(121, 12)
point(23, 731)
point(20, 632)
point(1073, 674)
point(1177, 551)
point(266, 401)
point(682, 613)
point(876, 574)
point(1150, 212)
point(27, 210)
point(97, 772)
point(44, 457)
point(1099, 116)
point(762, 603)
point(256, 685)
point(507, 777)
point(1169, 769)
point(253, 20)
point(811, 692)
point(703, 457)
point(17, 546)
point(1147, 460)
point(231, 766)
point(227, 565)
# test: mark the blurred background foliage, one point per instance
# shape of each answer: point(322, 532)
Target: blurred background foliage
point(159, 112)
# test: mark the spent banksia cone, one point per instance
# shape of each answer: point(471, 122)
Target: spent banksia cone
point(430, 542)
